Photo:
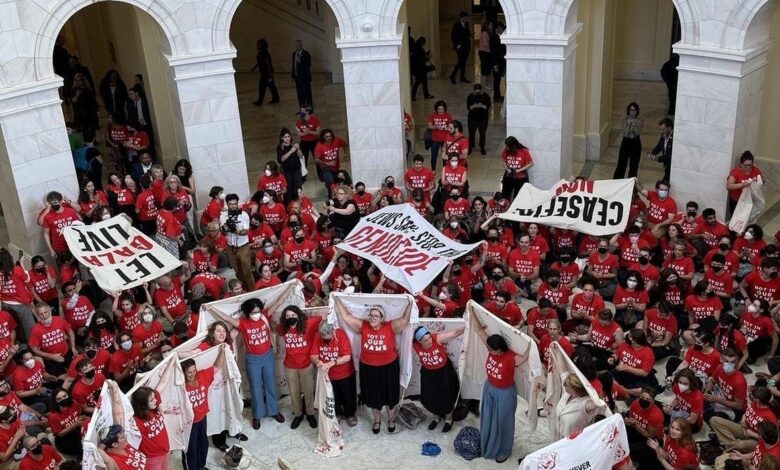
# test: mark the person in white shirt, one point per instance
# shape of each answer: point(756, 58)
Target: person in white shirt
point(234, 223)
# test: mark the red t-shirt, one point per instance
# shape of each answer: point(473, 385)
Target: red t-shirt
point(538, 321)
point(99, 362)
point(730, 266)
point(720, 283)
point(52, 339)
point(133, 460)
point(129, 320)
point(523, 263)
point(49, 460)
point(377, 347)
point(733, 386)
point(506, 284)
point(25, 378)
point(363, 202)
point(274, 216)
point(652, 417)
point(718, 231)
point(123, 360)
point(256, 335)
point(681, 457)
point(55, 223)
point(691, 401)
point(701, 309)
point(605, 266)
point(328, 153)
point(623, 295)
point(760, 289)
point(592, 308)
point(658, 210)
point(568, 273)
point(146, 205)
point(154, 435)
point(500, 369)
point(761, 451)
point(439, 120)
point(701, 364)
point(497, 253)
point(544, 347)
point(682, 266)
point(310, 124)
point(87, 394)
point(199, 394)
point(61, 420)
point(172, 299)
point(432, 358)
point(7, 324)
point(458, 209)
point(78, 315)
point(628, 255)
point(421, 178)
point(603, 337)
point(271, 260)
point(754, 328)
point(451, 176)
point(755, 414)
point(5, 353)
point(297, 346)
point(448, 311)
point(658, 326)
point(183, 204)
point(212, 211)
point(740, 177)
point(753, 247)
point(149, 337)
point(299, 251)
point(40, 283)
point(511, 312)
point(515, 161)
point(13, 288)
point(213, 283)
point(331, 350)
point(168, 224)
point(276, 183)
point(641, 358)
point(556, 296)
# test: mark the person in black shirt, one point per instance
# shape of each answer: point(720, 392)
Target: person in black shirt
point(478, 104)
point(342, 212)
point(498, 51)
point(266, 68)
point(289, 156)
point(419, 59)
point(461, 44)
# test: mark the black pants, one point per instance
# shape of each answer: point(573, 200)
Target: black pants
point(345, 394)
point(477, 125)
point(69, 443)
point(198, 447)
point(420, 79)
point(294, 181)
point(148, 227)
point(629, 153)
point(463, 55)
point(599, 356)
point(266, 81)
point(758, 347)
point(641, 454)
point(497, 75)
point(303, 90)
point(773, 364)
point(307, 148)
point(661, 352)
point(511, 186)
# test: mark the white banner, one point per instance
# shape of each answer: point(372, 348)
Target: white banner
point(168, 379)
point(118, 255)
point(560, 367)
point(403, 245)
point(599, 446)
point(749, 206)
point(225, 401)
point(453, 347)
point(103, 417)
point(275, 299)
point(330, 439)
point(592, 207)
point(358, 305)
point(473, 355)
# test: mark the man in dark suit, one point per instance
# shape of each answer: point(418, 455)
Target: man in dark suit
point(461, 44)
point(662, 152)
point(137, 110)
point(301, 73)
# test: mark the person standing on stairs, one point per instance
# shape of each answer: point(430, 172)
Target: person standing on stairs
point(266, 68)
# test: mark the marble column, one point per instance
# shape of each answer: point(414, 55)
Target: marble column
point(35, 158)
point(540, 101)
point(374, 112)
point(209, 124)
point(718, 108)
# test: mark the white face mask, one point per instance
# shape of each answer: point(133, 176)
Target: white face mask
point(454, 224)
point(29, 363)
point(662, 193)
point(266, 199)
point(126, 345)
point(268, 249)
point(748, 235)
point(147, 317)
point(105, 216)
point(267, 172)
point(683, 388)
point(442, 296)
point(631, 284)
point(222, 196)
point(633, 238)
point(254, 316)
point(454, 164)
point(752, 309)
point(346, 282)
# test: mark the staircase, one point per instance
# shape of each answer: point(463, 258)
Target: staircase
point(306, 15)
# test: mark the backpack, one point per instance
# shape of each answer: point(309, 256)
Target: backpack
point(410, 415)
point(80, 159)
point(467, 443)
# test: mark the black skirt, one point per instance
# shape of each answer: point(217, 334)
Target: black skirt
point(380, 385)
point(439, 389)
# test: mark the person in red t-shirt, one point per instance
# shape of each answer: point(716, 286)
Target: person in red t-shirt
point(455, 142)
point(272, 179)
point(308, 128)
point(630, 300)
point(54, 218)
point(741, 177)
point(688, 402)
point(644, 420)
point(553, 334)
point(53, 340)
point(149, 335)
point(43, 281)
point(603, 266)
point(39, 456)
point(419, 177)
point(146, 207)
point(326, 155)
point(499, 391)
point(708, 232)
point(213, 208)
point(517, 160)
point(168, 298)
point(726, 390)
point(504, 308)
point(584, 307)
point(379, 365)
point(151, 423)
point(661, 209)
point(660, 327)
point(65, 422)
point(76, 308)
point(762, 283)
point(603, 337)
point(446, 304)
point(125, 361)
point(759, 330)
point(523, 264)
point(634, 361)
point(699, 306)
point(439, 383)
point(765, 455)
point(197, 384)
point(679, 450)
point(331, 352)
point(438, 123)
point(297, 331)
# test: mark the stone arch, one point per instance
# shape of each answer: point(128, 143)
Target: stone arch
point(689, 21)
point(59, 15)
point(227, 9)
point(751, 21)
point(388, 21)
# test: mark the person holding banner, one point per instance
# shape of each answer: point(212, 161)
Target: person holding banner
point(517, 160)
point(575, 409)
point(330, 352)
point(197, 383)
point(125, 361)
point(445, 305)
point(740, 178)
point(439, 384)
point(118, 453)
point(151, 423)
point(379, 366)
point(297, 330)
point(499, 397)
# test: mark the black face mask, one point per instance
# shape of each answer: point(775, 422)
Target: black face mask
point(698, 347)
point(691, 213)
point(340, 179)
point(41, 269)
point(290, 322)
point(565, 259)
point(298, 239)
point(602, 250)
point(773, 275)
point(644, 403)
point(91, 353)
point(723, 246)
point(643, 260)
point(492, 239)
point(717, 267)
point(418, 199)
point(235, 212)
point(390, 184)
point(254, 225)
point(456, 271)
point(55, 207)
point(361, 191)
point(455, 197)
point(90, 374)
point(554, 284)
point(2, 394)
point(65, 402)
point(37, 450)
point(498, 277)
point(10, 419)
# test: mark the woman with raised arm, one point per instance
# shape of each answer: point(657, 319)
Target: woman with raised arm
point(499, 398)
point(380, 369)
point(113, 447)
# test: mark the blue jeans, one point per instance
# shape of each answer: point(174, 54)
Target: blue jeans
point(262, 384)
point(435, 147)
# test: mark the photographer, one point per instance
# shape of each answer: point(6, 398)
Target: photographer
point(234, 223)
point(342, 212)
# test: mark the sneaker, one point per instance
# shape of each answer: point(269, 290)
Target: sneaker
point(433, 425)
point(312, 421)
point(241, 437)
point(482, 151)
point(296, 422)
point(447, 427)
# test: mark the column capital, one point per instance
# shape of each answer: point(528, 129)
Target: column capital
point(724, 62)
point(202, 64)
point(369, 50)
point(520, 46)
point(29, 96)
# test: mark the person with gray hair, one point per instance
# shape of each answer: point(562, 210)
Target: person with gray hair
point(331, 352)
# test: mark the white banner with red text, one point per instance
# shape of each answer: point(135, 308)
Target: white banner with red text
point(118, 255)
point(593, 207)
point(404, 246)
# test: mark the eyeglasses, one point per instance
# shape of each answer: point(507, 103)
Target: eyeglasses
point(375, 317)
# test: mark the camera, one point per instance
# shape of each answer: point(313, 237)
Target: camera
point(231, 223)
